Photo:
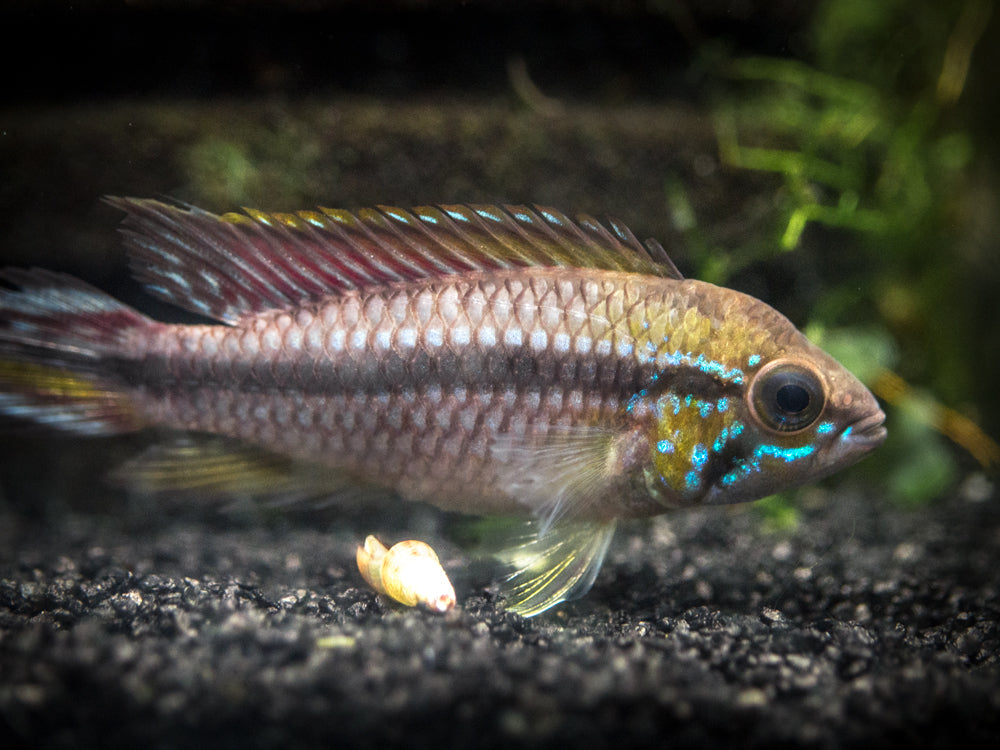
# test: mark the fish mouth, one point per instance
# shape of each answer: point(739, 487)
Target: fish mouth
point(868, 432)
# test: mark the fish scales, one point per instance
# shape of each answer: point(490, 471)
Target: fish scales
point(402, 383)
point(425, 444)
point(483, 359)
point(529, 328)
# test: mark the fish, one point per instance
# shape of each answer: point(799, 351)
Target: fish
point(492, 360)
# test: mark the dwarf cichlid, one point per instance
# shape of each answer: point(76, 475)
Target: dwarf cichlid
point(490, 360)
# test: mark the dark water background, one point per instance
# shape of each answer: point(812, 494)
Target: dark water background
point(859, 621)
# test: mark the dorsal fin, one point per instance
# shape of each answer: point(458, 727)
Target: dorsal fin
point(229, 266)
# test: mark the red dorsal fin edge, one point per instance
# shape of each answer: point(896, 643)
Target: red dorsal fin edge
point(226, 267)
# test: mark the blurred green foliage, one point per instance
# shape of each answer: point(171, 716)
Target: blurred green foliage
point(778, 513)
point(871, 137)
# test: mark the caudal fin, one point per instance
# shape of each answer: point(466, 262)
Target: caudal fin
point(59, 340)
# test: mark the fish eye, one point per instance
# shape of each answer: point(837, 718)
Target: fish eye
point(787, 396)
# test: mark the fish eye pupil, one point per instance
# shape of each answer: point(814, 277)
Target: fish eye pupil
point(792, 398)
point(787, 396)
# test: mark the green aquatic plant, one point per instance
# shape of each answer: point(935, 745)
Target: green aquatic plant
point(870, 140)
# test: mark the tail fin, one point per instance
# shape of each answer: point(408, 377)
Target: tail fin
point(59, 339)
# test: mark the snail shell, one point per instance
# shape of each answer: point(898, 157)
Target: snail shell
point(408, 572)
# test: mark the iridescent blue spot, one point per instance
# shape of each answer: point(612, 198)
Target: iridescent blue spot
point(720, 441)
point(397, 216)
point(741, 470)
point(722, 404)
point(705, 408)
point(430, 219)
point(699, 455)
point(457, 215)
point(786, 454)
point(692, 480)
point(551, 218)
point(635, 399)
point(687, 400)
point(521, 216)
point(488, 214)
point(754, 360)
point(201, 305)
point(736, 429)
point(179, 280)
point(211, 280)
point(734, 476)
point(824, 428)
point(672, 402)
point(665, 446)
point(707, 366)
point(846, 433)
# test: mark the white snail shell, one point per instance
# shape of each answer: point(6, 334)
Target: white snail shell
point(409, 572)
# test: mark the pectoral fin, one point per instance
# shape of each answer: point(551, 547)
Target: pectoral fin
point(554, 566)
point(560, 476)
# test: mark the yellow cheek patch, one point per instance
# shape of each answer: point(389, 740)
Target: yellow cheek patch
point(689, 430)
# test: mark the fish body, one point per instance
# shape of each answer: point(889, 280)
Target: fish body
point(485, 360)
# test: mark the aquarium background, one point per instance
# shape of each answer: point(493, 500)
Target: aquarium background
point(836, 158)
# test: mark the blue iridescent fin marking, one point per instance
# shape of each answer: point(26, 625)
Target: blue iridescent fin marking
point(229, 266)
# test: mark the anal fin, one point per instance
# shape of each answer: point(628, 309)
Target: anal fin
point(219, 467)
point(555, 564)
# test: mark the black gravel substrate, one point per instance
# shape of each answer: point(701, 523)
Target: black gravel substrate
point(867, 626)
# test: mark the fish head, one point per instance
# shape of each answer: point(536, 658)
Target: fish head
point(761, 410)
